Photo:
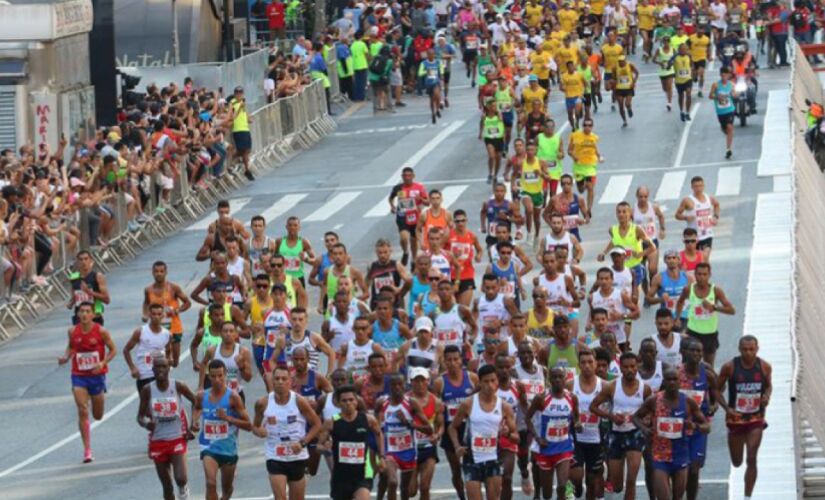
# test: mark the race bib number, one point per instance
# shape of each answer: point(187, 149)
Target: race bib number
point(420, 437)
point(147, 360)
point(532, 388)
point(589, 421)
point(670, 303)
point(86, 361)
point(491, 227)
point(398, 441)
point(80, 296)
point(748, 403)
point(472, 42)
point(406, 204)
point(351, 453)
point(165, 408)
point(697, 396)
point(452, 410)
point(723, 100)
point(557, 430)
point(382, 281)
point(701, 313)
point(530, 176)
point(359, 375)
point(233, 383)
point(284, 450)
point(571, 221)
point(509, 289)
point(272, 338)
point(735, 19)
point(650, 229)
point(670, 427)
point(461, 251)
point(493, 132)
point(432, 74)
point(683, 73)
point(624, 80)
point(702, 19)
point(484, 444)
point(292, 263)
point(504, 107)
point(215, 429)
point(447, 336)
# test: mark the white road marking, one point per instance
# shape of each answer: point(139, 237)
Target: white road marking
point(680, 152)
point(422, 153)
point(332, 206)
point(671, 186)
point(387, 129)
point(451, 193)
point(337, 227)
point(616, 189)
point(282, 206)
point(235, 206)
point(381, 209)
point(729, 181)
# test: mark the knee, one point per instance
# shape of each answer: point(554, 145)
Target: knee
point(751, 461)
point(211, 483)
point(83, 413)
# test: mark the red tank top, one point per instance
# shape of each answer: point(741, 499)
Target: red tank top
point(689, 265)
point(461, 246)
point(428, 409)
point(89, 350)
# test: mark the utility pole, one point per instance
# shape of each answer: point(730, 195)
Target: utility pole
point(175, 42)
point(320, 17)
point(227, 36)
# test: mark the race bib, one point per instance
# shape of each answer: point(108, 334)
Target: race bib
point(650, 229)
point(701, 313)
point(670, 427)
point(147, 360)
point(509, 289)
point(215, 429)
point(624, 80)
point(165, 408)
point(233, 383)
point(359, 375)
point(452, 410)
point(493, 131)
point(351, 453)
point(447, 336)
point(432, 74)
point(670, 303)
point(382, 281)
point(557, 430)
point(530, 176)
point(272, 338)
point(86, 361)
point(683, 73)
point(589, 421)
point(702, 19)
point(292, 263)
point(748, 403)
point(80, 296)
point(406, 204)
point(398, 441)
point(723, 100)
point(284, 450)
point(697, 396)
point(571, 221)
point(532, 388)
point(484, 444)
point(472, 42)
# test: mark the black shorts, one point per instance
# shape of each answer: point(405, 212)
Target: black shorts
point(427, 453)
point(588, 99)
point(590, 456)
point(346, 490)
point(710, 341)
point(699, 64)
point(608, 76)
point(544, 83)
point(431, 89)
point(684, 87)
point(497, 143)
point(619, 443)
point(144, 382)
point(470, 55)
point(446, 77)
point(447, 443)
point(625, 92)
point(401, 224)
point(480, 472)
point(464, 285)
point(242, 140)
point(703, 244)
point(725, 120)
point(294, 471)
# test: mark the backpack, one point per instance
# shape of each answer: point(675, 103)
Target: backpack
point(798, 20)
point(378, 65)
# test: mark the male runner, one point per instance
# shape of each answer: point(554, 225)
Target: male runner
point(665, 288)
point(466, 249)
point(584, 150)
point(626, 76)
point(406, 200)
point(534, 174)
point(237, 361)
point(296, 250)
point(88, 285)
point(353, 357)
point(220, 229)
point(259, 246)
point(723, 96)
point(386, 273)
point(700, 212)
point(427, 452)
point(588, 457)
point(174, 301)
point(149, 339)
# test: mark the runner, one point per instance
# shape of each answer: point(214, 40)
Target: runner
point(625, 442)
point(723, 96)
point(626, 77)
point(487, 417)
point(749, 381)
point(701, 213)
point(433, 409)
point(421, 351)
point(700, 52)
point(704, 302)
point(341, 276)
point(454, 322)
point(322, 263)
point(673, 418)
point(540, 317)
point(531, 124)
point(491, 128)
point(510, 393)
point(584, 151)
point(445, 52)
point(618, 304)
point(259, 246)
point(387, 331)
point(219, 274)
point(690, 256)
point(494, 211)
point(508, 108)
point(493, 309)
point(410, 197)
point(161, 413)
point(150, 339)
point(559, 237)
point(611, 51)
point(300, 336)
point(684, 81)
point(507, 273)
point(430, 72)
point(174, 301)
point(647, 21)
point(296, 294)
point(633, 240)
point(255, 308)
point(562, 296)
point(466, 249)
point(665, 288)
point(385, 274)
point(664, 57)
point(296, 250)
point(223, 227)
point(573, 84)
point(668, 340)
point(288, 422)
point(534, 174)
point(588, 456)
point(218, 414)
point(562, 350)
point(353, 356)
point(435, 216)
point(237, 361)
point(91, 349)
point(88, 285)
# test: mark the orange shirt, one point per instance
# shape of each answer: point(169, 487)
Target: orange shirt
point(594, 61)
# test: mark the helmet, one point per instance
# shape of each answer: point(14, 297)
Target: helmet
point(816, 110)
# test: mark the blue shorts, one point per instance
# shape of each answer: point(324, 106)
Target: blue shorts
point(94, 384)
point(573, 314)
point(638, 273)
point(698, 448)
point(670, 467)
point(507, 117)
point(258, 353)
point(570, 102)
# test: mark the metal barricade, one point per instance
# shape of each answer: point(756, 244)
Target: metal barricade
point(332, 73)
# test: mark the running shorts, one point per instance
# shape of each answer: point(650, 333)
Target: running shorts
point(706, 243)
point(346, 490)
point(538, 198)
point(220, 459)
point(570, 102)
point(710, 341)
point(746, 428)
point(177, 338)
point(699, 64)
point(684, 87)
point(698, 448)
point(480, 472)
point(549, 462)
point(242, 140)
point(403, 465)
point(294, 471)
point(590, 456)
point(625, 92)
point(669, 467)
point(162, 451)
point(496, 142)
point(619, 443)
point(94, 384)
point(468, 284)
point(584, 172)
point(427, 453)
point(725, 120)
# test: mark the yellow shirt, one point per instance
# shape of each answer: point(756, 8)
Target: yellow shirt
point(531, 180)
point(565, 54)
point(597, 6)
point(682, 65)
point(584, 146)
point(573, 84)
point(508, 50)
point(568, 19)
point(646, 19)
point(624, 76)
point(699, 47)
point(533, 15)
point(529, 95)
point(539, 63)
point(610, 55)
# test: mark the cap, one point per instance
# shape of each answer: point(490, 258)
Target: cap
point(424, 323)
point(671, 252)
point(623, 58)
point(279, 286)
point(75, 182)
point(617, 251)
point(419, 371)
point(239, 90)
point(533, 78)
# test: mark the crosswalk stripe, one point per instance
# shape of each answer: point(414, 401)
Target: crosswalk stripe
point(282, 206)
point(451, 193)
point(235, 206)
point(671, 186)
point(332, 206)
point(729, 181)
point(381, 209)
point(616, 189)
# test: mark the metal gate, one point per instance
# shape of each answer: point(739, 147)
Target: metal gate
point(8, 127)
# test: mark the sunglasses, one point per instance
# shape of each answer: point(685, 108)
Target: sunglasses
point(434, 278)
point(460, 221)
point(539, 297)
point(274, 264)
point(262, 285)
point(689, 241)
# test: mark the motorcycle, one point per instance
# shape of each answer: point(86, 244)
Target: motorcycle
point(744, 90)
point(815, 135)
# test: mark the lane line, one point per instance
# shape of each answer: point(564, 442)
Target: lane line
point(671, 186)
point(381, 209)
point(235, 206)
point(616, 189)
point(282, 206)
point(332, 206)
point(422, 153)
point(729, 181)
point(680, 152)
point(451, 193)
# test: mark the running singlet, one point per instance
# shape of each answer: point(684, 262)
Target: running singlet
point(590, 422)
point(167, 413)
point(89, 350)
point(399, 439)
point(482, 432)
point(351, 450)
point(453, 395)
point(293, 258)
point(149, 343)
point(625, 406)
point(531, 180)
point(463, 249)
point(218, 436)
point(233, 373)
point(358, 360)
point(556, 420)
point(724, 98)
point(493, 127)
point(745, 390)
point(703, 218)
point(700, 319)
point(169, 302)
point(673, 288)
point(646, 219)
point(494, 209)
point(449, 327)
point(285, 425)
point(408, 201)
point(669, 442)
point(547, 149)
point(696, 389)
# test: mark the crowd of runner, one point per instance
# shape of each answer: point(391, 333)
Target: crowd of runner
point(542, 385)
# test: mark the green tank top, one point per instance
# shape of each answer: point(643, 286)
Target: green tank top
point(504, 100)
point(587, 74)
point(332, 282)
point(566, 358)
point(293, 258)
point(208, 339)
point(700, 320)
point(629, 242)
point(484, 64)
point(548, 150)
point(493, 127)
point(664, 57)
point(291, 297)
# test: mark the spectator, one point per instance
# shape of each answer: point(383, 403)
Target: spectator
point(258, 13)
point(778, 28)
point(801, 19)
point(380, 70)
point(360, 63)
point(276, 14)
point(240, 129)
point(318, 71)
point(345, 68)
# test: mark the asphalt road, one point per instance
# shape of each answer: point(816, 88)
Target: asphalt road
point(337, 185)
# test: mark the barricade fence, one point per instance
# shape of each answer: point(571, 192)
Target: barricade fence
point(278, 130)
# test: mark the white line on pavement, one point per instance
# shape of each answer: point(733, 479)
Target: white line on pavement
point(671, 186)
point(616, 189)
point(451, 193)
point(381, 209)
point(729, 181)
point(282, 206)
point(235, 206)
point(677, 162)
point(424, 151)
point(332, 206)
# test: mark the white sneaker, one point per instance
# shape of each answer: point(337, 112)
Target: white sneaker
point(527, 486)
point(183, 493)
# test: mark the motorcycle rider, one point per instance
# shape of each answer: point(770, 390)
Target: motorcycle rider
point(744, 67)
point(726, 48)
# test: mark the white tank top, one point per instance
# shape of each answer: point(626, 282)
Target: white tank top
point(510, 396)
point(550, 244)
point(236, 269)
point(149, 343)
point(489, 310)
point(342, 332)
point(449, 327)
point(669, 355)
point(589, 421)
point(533, 383)
point(440, 263)
point(357, 359)
point(166, 410)
point(233, 375)
point(703, 213)
point(517, 263)
point(655, 380)
point(612, 302)
point(623, 280)
point(272, 325)
point(483, 428)
point(646, 220)
point(285, 424)
point(329, 410)
point(255, 254)
point(627, 405)
point(556, 289)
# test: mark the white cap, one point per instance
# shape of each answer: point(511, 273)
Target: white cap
point(424, 323)
point(419, 371)
point(618, 251)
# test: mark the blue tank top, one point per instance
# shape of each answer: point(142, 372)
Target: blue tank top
point(674, 289)
point(428, 306)
point(453, 396)
point(724, 98)
point(556, 424)
point(510, 275)
point(676, 450)
point(310, 389)
point(696, 386)
point(326, 263)
point(218, 436)
point(417, 289)
point(432, 70)
point(573, 209)
point(493, 210)
point(391, 339)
